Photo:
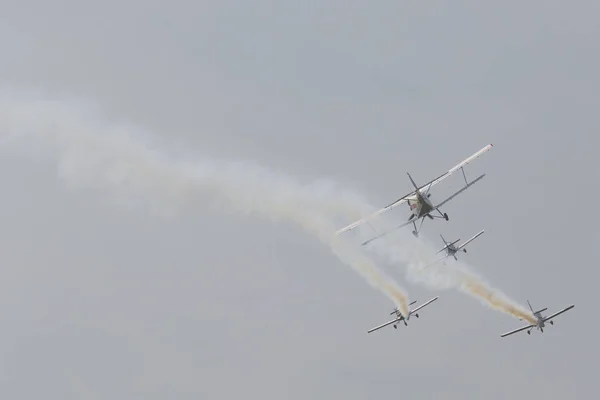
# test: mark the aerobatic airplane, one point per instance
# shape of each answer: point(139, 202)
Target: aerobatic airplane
point(541, 320)
point(419, 201)
point(452, 249)
point(400, 317)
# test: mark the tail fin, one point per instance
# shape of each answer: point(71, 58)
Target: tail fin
point(413, 182)
point(446, 243)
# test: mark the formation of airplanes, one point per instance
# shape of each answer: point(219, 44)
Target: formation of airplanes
point(421, 206)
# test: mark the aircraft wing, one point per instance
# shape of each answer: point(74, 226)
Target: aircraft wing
point(371, 216)
point(423, 305)
point(462, 164)
point(389, 231)
point(436, 261)
point(422, 189)
point(384, 325)
point(470, 240)
point(558, 313)
point(517, 330)
point(452, 170)
point(461, 190)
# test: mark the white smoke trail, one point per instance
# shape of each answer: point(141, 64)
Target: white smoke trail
point(117, 162)
point(418, 255)
point(112, 159)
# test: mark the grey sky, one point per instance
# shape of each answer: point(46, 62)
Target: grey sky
point(100, 302)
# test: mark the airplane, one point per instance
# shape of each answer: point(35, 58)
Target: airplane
point(419, 201)
point(452, 249)
point(400, 317)
point(541, 320)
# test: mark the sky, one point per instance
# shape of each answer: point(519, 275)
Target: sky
point(102, 299)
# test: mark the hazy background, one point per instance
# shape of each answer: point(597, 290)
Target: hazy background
point(101, 303)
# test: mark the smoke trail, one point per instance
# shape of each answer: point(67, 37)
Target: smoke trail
point(495, 300)
point(400, 247)
point(134, 174)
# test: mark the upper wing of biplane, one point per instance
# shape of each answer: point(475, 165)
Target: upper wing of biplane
point(422, 189)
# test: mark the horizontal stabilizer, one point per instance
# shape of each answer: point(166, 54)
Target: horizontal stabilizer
point(447, 246)
point(396, 310)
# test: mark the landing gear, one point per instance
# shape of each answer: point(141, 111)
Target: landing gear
point(444, 215)
point(416, 233)
point(417, 315)
point(465, 250)
point(529, 332)
point(395, 326)
point(551, 322)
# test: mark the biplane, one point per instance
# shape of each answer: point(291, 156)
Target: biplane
point(419, 200)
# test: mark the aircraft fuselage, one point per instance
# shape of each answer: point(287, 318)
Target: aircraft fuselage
point(420, 205)
point(400, 319)
point(540, 324)
point(452, 250)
